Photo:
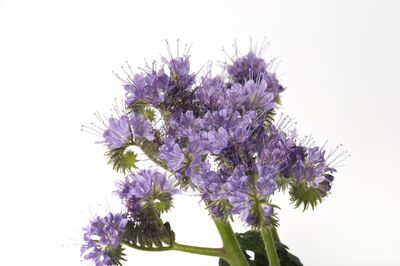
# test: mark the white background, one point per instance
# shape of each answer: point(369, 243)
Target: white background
point(340, 62)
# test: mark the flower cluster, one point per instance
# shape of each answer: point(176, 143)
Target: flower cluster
point(102, 239)
point(216, 135)
point(146, 188)
point(120, 131)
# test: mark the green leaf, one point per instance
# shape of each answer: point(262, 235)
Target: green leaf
point(121, 160)
point(147, 230)
point(116, 254)
point(251, 241)
point(302, 194)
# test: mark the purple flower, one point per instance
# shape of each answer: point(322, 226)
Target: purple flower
point(201, 175)
point(276, 149)
point(117, 132)
point(266, 184)
point(101, 236)
point(145, 188)
point(145, 184)
point(241, 205)
point(236, 96)
point(273, 83)
point(146, 87)
point(181, 125)
point(237, 186)
point(212, 93)
point(247, 67)
point(240, 126)
point(252, 67)
point(197, 144)
point(141, 127)
point(258, 97)
point(180, 68)
point(217, 119)
point(267, 212)
point(217, 140)
point(308, 164)
point(171, 153)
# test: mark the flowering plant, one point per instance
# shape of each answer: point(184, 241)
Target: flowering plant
point(217, 136)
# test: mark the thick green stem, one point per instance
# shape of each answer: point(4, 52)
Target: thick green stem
point(234, 254)
point(216, 252)
point(270, 248)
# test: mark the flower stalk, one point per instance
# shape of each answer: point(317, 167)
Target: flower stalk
point(234, 254)
point(215, 252)
point(269, 243)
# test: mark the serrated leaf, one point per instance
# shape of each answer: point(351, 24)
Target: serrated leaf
point(251, 241)
point(147, 230)
point(302, 194)
point(116, 254)
point(121, 160)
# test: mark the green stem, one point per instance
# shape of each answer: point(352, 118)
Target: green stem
point(270, 248)
point(216, 252)
point(234, 254)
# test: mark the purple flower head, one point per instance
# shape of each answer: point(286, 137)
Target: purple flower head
point(171, 153)
point(101, 236)
point(293, 164)
point(240, 126)
point(326, 184)
point(201, 175)
point(273, 84)
point(237, 186)
point(145, 188)
point(276, 148)
point(146, 87)
point(247, 67)
point(148, 183)
point(266, 184)
point(258, 96)
point(197, 144)
point(237, 181)
point(141, 127)
point(145, 184)
point(241, 205)
point(236, 96)
point(117, 133)
point(216, 119)
point(180, 76)
point(182, 124)
point(212, 93)
point(310, 165)
point(217, 140)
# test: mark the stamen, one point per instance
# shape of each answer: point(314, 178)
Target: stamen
point(124, 81)
point(264, 45)
point(230, 58)
point(190, 47)
point(177, 48)
point(129, 78)
point(169, 50)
